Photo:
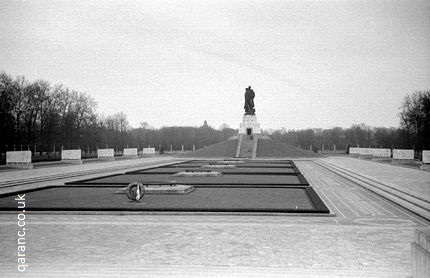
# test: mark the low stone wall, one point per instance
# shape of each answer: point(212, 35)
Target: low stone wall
point(105, 154)
point(19, 159)
point(403, 154)
point(420, 253)
point(148, 151)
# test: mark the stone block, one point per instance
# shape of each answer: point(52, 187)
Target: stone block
point(105, 154)
point(71, 155)
point(219, 166)
point(162, 189)
point(19, 159)
point(130, 152)
point(198, 173)
point(403, 154)
point(426, 157)
point(148, 151)
point(375, 152)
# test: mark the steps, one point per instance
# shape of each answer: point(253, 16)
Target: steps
point(247, 146)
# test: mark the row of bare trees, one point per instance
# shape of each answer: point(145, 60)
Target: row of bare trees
point(412, 133)
point(36, 115)
point(341, 138)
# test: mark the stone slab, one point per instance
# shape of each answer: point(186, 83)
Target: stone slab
point(219, 166)
point(130, 152)
point(163, 189)
point(426, 156)
point(71, 154)
point(148, 151)
point(197, 173)
point(403, 154)
point(105, 153)
point(375, 152)
point(18, 157)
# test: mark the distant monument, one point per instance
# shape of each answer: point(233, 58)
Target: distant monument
point(249, 101)
point(249, 124)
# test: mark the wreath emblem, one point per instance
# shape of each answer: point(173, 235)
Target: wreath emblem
point(135, 191)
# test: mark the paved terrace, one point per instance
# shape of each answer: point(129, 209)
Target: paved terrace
point(58, 173)
point(366, 236)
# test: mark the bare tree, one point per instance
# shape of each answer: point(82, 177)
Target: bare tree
point(415, 118)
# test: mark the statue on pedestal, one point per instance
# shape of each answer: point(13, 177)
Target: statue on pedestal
point(249, 101)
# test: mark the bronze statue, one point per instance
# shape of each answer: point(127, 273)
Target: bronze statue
point(249, 101)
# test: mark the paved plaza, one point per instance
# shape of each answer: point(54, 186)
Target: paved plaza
point(365, 235)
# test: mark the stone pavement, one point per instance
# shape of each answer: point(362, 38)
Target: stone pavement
point(242, 245)
point(68, 168)
point(366, 236)
point(413, 181)
point(19, 180)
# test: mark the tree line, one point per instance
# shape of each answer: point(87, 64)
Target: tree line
point(39, 116)
point(412, 133)
point(338, 138)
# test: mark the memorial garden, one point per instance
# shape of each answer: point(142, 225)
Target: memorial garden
point(249, 175)
point(46, 119)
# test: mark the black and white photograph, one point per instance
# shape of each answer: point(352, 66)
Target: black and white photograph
point(215, 138)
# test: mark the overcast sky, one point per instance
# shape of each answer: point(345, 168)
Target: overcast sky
point(314, 64)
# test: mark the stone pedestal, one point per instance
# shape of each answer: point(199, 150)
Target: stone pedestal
point(249, 125)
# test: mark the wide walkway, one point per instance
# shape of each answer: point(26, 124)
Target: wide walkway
point(58, 174)
point(59, 168)
point(413, 181)
point(365, 236)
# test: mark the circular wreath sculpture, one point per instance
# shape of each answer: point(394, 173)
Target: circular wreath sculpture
point(135, 191)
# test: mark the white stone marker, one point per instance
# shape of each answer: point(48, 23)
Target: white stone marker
point(72, 156)
point(148, 151)
point(20, 159)
point(403, 154)
point(426, 157)
point(130, 152)
point(376, 152)
point(105, 154)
